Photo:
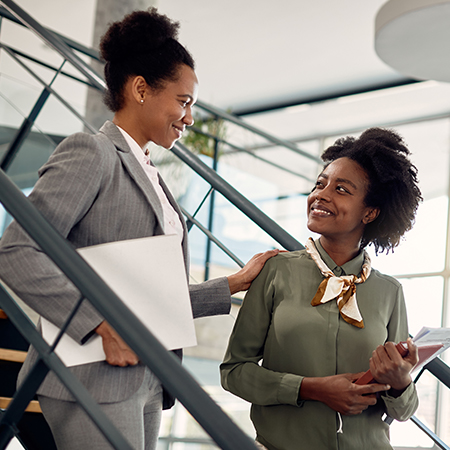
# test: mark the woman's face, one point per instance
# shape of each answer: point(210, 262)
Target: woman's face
point(168, 111)
point(336, 207)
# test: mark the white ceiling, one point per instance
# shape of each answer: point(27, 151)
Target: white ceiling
point(253, 53)
point(257, 53)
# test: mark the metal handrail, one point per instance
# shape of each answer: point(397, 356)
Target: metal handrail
point(55, 42)
point(88, 51)
point(440, 370)
point(433, 436)
point(271, 227)
point(235, 197)
point(51, 360)
point(162, 363)
point(63, 45)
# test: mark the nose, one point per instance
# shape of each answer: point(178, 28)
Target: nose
point(322, 194)
point(188, 119)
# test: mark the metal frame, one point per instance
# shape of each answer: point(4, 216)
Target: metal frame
point(150, 351)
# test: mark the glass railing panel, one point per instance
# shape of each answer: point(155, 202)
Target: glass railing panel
point(33, 153)
point(19, 91)
point(55, 118)
point(236, 138)
point(289, 172)
point(26, 41)
point(11, 116)
point(23, 171)
point(279, 194)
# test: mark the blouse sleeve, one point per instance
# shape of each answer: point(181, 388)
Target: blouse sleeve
point(403, 407)
point(241, 372)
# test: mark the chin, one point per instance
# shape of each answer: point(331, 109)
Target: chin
point(167, 145)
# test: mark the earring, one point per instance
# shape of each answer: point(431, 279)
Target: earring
point(142, 100)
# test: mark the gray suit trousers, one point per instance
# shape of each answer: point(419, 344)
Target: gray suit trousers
point(138, 418)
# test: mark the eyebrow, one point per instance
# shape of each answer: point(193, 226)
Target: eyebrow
point(340, 180)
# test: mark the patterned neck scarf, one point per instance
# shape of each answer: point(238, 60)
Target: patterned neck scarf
point(342, 288)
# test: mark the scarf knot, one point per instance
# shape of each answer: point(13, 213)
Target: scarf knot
point(342, 289)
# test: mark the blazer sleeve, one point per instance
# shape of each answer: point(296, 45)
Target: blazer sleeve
point(210, 298)
point(66, 189)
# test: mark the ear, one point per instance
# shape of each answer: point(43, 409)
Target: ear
point(139, 88)
point(371, 215)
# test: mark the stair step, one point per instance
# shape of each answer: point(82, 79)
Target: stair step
point(12, 355)
point(33, 406)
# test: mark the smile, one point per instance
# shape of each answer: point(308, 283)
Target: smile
point(178, 130)
point(320, 212)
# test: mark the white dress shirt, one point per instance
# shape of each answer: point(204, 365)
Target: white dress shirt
point(172, 222)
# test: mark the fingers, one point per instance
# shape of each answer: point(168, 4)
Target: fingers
point(341, 394)
point(123, 360)
point(117, 352)
point(389, 367)
point(364, 396)
point(373, 388)
point(413, 353)
point(241, 280)
point(261, 258)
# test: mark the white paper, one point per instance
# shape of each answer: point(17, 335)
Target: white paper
point(431, 336)
point(148, 275)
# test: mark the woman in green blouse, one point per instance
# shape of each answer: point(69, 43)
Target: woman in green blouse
point(314, 320)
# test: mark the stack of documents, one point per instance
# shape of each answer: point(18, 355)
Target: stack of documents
point(149, 276)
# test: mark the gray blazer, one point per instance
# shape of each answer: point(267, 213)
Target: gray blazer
point(93, 190)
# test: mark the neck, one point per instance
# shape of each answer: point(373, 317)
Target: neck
point(123, 121)
point(340, 252)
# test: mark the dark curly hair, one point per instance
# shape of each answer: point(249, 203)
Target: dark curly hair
point(393, 184)
point(142, 43)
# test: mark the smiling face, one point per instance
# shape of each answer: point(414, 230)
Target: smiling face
point(166, 112)
point(336, 207)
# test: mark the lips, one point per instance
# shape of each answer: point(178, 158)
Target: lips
point(178, 130)
point(320, 211)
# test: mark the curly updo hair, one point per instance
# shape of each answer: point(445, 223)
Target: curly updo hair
point(393, 183)
point(142, 43)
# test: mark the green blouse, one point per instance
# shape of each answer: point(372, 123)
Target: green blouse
point(279, 338)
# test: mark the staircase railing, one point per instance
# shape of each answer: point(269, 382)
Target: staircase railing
point(150, 351)
point(166, 368)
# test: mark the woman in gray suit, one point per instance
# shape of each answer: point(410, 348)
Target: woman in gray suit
point(102, 188)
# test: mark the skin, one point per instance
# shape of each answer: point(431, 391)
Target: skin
point(338, 212)
point(161, 116)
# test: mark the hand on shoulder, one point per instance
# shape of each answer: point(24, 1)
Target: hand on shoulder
point(241, 280)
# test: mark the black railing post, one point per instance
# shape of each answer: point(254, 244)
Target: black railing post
point(211, 211)
point(237, 199)
point(24, 131)
point(162, 363)
point(20, 401)
point(49, 360)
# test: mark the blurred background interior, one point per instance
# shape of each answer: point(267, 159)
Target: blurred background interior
point(304, 73)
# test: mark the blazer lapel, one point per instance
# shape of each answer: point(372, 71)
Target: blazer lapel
point(134, 169)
